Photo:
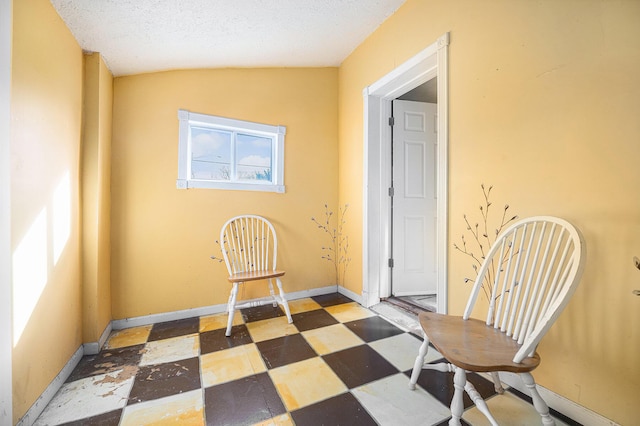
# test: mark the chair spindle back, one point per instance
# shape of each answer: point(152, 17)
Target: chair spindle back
point(248, 244)
point(530, 272)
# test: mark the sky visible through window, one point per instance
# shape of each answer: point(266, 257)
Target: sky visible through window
point(211, 157)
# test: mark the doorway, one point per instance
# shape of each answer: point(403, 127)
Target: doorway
point(427, 65)
point(414, 197)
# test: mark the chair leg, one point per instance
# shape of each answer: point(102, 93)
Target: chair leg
point(497, 384)
point(284, 300)
point(417, 365)
point(273, 294)
point(457, 403)
point(231, 307)
point(479, 402)
point(538, 402)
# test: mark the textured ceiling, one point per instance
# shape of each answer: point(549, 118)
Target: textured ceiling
point(136, 36)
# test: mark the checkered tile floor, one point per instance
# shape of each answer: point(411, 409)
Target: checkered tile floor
point(337, 364)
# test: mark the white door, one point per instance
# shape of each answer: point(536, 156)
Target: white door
point(414, 199)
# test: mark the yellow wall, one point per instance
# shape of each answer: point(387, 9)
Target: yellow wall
point(46, 110)
point(544, 104)
point(162, 238)
point(544, 100)
point(96, 197)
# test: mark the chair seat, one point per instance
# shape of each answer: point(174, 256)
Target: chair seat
point(254, 275)
point(472, 345)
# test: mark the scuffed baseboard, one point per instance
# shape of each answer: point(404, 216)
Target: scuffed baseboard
point(351, 295)
point(45, 398)
point(559, 403)
point(555, 401)
point(206, 310)
point(93, 348)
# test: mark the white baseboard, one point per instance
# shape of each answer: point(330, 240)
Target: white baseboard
point(351, 295)
point(313, 292)
point(167, 316)
point(207, 310)
point(93, 348)
point(559, 403)
point(45, 398)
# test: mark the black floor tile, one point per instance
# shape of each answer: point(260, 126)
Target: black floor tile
point(359, 365)
point(343, 409)
point(106, 361)
point(285, 350)
point(373, 328)
point(242, 402)
point(446, 423)
point(159, 380)
point(255, 399)
point(166, 330)
point(313, 319)
point(261, 313)
point(215, 340)
point(111, 418)
point(440, 385)
point(331, 299)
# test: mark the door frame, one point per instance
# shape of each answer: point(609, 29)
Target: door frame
point(6, 341)
point(430, 63)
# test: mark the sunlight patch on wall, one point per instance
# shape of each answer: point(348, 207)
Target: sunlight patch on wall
point(61, 216)
point(47, 236)
point(29, 273)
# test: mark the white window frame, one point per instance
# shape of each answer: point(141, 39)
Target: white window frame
point(276, 133)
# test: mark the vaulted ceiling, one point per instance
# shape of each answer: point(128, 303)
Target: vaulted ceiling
point(137, 36)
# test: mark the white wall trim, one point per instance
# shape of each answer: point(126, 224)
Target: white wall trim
point(555, 401)
point(45, 398)
point(559, 403)
point(274, 132)
point(6, 339)
point(429, 63)
point(206, 310)
point(351, 295)
point(93, 348)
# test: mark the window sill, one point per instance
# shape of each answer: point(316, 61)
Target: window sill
point(233, 186)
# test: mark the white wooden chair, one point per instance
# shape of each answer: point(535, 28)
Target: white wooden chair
point(530, 272)
point(250, 248)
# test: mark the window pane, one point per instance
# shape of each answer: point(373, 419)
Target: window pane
point(254, 160)
point(210, 154)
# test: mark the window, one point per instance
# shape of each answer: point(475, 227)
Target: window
point(222, 153)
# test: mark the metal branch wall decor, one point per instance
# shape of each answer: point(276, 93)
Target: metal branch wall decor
point(483, 234)
point(337, 249)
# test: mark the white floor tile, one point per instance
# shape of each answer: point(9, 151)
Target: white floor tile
point(88, 397)
point(400, 350)
point(508, 410)
point(399, 317)
point(182, 409)
point(390, 402)
point(169, 350)
point(333, 338)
